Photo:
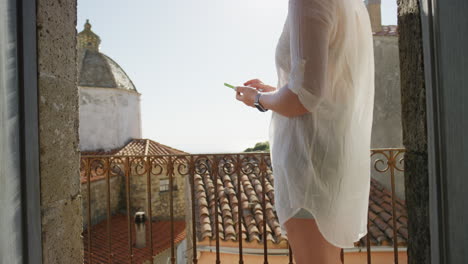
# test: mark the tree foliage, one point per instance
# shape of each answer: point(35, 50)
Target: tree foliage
point(260, 147)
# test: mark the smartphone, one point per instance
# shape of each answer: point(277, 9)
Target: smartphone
point(230, 86)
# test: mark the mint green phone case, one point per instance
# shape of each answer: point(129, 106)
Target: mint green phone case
point(230, 86)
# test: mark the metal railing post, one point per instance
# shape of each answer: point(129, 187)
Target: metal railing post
point(170, 173)
point(239, 206)
point(192, 188)
point(290, 254)
point(148, 166)
point(215, 179)
point(109, 213)
point(263, 169)
point(88, 183)
point(127, 171)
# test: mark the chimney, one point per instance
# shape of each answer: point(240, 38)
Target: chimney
point(374, 9)
point(140, 227)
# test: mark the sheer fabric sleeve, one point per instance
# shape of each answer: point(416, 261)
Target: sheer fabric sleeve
point(311, 23)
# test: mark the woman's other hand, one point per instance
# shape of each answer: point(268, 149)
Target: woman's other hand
point(246, 95)
point(260, 86)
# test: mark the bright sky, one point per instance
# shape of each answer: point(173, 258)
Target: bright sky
point(179, 54)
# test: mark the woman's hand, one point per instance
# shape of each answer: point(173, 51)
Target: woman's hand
point(246, 95)
point(259, 85)
point(283, 101)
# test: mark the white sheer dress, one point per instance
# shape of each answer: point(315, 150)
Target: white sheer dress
point(321, 160)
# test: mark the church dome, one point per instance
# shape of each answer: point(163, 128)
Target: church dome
point(95, 69)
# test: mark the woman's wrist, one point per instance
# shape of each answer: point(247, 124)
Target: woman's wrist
point(267, 100)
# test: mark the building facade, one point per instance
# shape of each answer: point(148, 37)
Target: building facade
point(110, 114)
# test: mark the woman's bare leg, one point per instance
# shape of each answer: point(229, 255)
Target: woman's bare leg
point(308, 244)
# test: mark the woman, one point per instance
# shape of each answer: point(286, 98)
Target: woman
point(321, 125)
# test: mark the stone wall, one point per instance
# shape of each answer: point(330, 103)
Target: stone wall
point(160, 201)
point(99, 199)
point(58, 132)
point(413, 91)
point(138, 197)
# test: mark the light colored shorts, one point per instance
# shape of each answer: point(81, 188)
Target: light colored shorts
point(303, 213)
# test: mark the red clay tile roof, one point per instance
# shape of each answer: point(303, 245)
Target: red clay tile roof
point(391, 30)
point(380, 217)
point(138, 147)
point(99, 152)
point(119, 234)
point(251, 190)
point(380, 229)
point(147, 147)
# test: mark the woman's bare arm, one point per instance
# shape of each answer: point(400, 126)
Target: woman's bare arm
point(282, 101)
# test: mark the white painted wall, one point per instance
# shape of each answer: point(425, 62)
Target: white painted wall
point(386, 129)
point(109, 117)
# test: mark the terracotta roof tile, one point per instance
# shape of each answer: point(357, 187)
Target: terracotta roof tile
point(380, 211)
point(228, 207)
point(119, 234)
point(99, 152)
point(380, 218)
point(147, 147)
point(138, 147)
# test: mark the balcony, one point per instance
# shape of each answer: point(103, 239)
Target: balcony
point(198, 222)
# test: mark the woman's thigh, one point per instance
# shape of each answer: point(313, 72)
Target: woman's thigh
point(308, 244)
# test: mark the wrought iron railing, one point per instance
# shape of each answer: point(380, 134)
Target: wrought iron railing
point(388, 161)
point(104, 168)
